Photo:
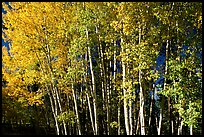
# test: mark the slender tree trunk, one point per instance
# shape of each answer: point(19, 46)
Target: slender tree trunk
point(114, 85)
point(93, 87)
point(108, 96)
point(134, 115)
point(142, 121)
point(124, 93)
point(130, 115)
point(103, 77)
point(119, 120)
point(60, 108)
point(191, 126)
point(102, 73)
point(162, 102)
point(130, 106)
point(53, 111)
point(76, 110)
point(90, 111)
point(54, 94)
point(142, 124)
point(55, 91)
point(88, 99)
point(171, 130)
point(180, 127)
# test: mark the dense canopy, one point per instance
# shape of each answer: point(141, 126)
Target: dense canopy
point(103, 68)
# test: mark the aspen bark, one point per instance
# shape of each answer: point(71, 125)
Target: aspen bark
point(93, 87)
point(108, 97)
point(55, 92)
point(181, 125)
point(162, 102)
point(60, 108)
point(142, 124)
point(124, 93)
point(53, 105)
point(114, 85)
point(53, 111)
point(76, 110)
point(119, 120)
point(88, 99)
point(90, 112)
point(130, 108)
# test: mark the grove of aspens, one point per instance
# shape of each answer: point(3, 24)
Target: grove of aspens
point(102, 68)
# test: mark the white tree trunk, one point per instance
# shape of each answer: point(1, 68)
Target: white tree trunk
point(88, 99)
point(124, 93)
point(93, 87)
point(76, 110)
point(142, 123)
point(191, 129)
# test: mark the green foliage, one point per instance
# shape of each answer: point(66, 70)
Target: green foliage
point(114, 124)
point(49, 45)
point(67, 117)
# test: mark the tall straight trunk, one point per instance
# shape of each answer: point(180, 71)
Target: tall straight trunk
point(170, 120)
point(130, 116)
point(119, 119)
point(55, 91)
point(87, 96)
point(90, 112)
point(114, 85)
point(177, 54)
point(110, 92)
point(165, 73)
point(130, 107)
point(180, 127)
point(134, 114)
point(171, 128)
point(56, 94)
point(60, 108)
point(191, 126)
point(53, 111)
point(124, 93)
point(156, 120)
point(108, 95)
point(161, 115)
point(101, 67)
point(93, 86)
point(142, 121)
point(103, 80)
point(76, 109)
